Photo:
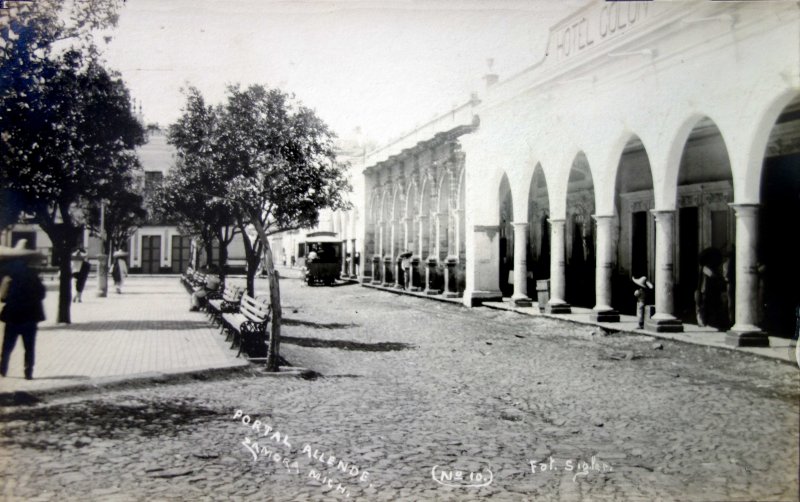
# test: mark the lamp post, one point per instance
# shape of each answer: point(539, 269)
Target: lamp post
point(102, 258)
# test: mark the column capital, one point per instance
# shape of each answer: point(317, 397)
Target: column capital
point(558, 220)
point(520, 224)
point(744, 208)
point(658, 212)
point(602, 217)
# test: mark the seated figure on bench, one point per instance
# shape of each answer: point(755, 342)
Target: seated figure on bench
point(200, 293)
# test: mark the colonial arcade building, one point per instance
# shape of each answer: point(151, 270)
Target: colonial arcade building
point(648, 134)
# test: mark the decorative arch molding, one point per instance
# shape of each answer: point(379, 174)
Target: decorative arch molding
point(749, 189)
point(606, 182)
point(665, 168)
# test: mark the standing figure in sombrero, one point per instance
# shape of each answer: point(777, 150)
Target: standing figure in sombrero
point(22, 291)
point(642, 295)
point(119, 270)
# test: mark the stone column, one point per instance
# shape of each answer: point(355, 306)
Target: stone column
point(664, 320)
point(482, 270)
point(458, 217)
point(414, 276)
point(344, 273)
point(520, 296)
point(437, 234)
point(603, 311)
point(430, 276)
point(352, 270)
point(381, 231)
point(376, 269)
point(450, 286)
point(745, 332)
point(557, 305)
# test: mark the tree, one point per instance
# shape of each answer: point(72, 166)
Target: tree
point(68, 131)
point(193, 194)
point(122, 215)
point(284, 171)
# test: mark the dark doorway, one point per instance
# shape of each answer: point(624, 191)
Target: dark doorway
point(779, 249)
point(689, 246)
point(181, 252)
point(639, 244)
point(151, 254)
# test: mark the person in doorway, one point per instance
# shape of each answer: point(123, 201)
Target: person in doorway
point(405, 269)
point(710, 291)
point(729, 276)
point(642, 295)
point(119, 269)
point(81, 275)
point(23, 292)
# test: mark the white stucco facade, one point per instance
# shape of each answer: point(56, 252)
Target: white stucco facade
point(642, 135)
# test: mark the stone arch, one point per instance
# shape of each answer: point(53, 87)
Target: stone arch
point(750, 190)
point(424, 217)
point(703, 185)
point(444, 204)
point(633, 220)
point(778, 214)
point(411, 214)
point(538, 226)
point(580, 234)
point(506, 241)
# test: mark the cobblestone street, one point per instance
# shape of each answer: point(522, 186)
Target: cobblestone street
point(402, 391)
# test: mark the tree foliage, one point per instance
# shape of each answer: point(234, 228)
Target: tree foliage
point(193, 193)
point(261, 160)
point(67, 128)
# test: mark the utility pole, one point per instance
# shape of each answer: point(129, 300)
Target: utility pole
point(102, 258)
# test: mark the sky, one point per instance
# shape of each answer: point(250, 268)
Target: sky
point(381, 66)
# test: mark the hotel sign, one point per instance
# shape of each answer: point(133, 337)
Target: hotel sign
point(593, 25)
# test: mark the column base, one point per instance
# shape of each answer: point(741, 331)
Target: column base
point(476, 298)
point(746, 336)
point(522, 301)
point(558, 308)
point(663, 324)
point(605, 315)
point(450, 294)
point(432, 292)
point(415, 289)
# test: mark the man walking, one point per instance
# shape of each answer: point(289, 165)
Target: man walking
point(23, 293)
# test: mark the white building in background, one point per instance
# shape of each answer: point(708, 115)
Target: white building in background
point(647, 133)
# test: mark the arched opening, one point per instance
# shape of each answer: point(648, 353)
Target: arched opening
point(412, 233)
point(538, 258)
point(637, 241)
point(506, 240)
point(580, 235)
point(445, 223)
point(461, 250)
point(705, 228)
point(779, 268)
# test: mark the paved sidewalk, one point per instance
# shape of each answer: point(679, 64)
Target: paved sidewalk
point(145, 331)
point(782, 349)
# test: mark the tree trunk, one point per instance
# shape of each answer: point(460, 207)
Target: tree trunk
point(209, 245)
point(223, 257)
point(273, 354)
point(63, 251)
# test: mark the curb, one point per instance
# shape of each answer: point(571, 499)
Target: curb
point(22, 397)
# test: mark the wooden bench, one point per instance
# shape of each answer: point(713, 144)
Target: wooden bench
point(247, 328)
point(227, 303)
point(193, 280)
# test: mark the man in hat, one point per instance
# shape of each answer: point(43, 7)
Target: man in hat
point(642, 297)
point(22, 293)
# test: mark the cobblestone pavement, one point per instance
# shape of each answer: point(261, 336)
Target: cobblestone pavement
point(406, 390)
